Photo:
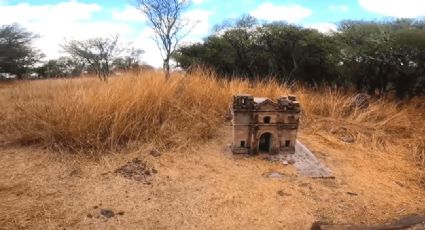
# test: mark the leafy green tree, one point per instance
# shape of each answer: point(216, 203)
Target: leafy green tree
point(367, 53)
point(409, 62)
point(51, 69)
point(61, 67)
point(377, 57)
point(246, 48)
point(384, 56)
point(296, 53)
point(17, 55)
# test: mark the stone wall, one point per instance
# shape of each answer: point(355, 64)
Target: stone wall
point(253, 117)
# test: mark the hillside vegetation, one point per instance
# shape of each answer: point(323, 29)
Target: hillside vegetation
point(377, 57)
point(87, 116)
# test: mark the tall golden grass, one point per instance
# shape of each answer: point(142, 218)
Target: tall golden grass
point(86, 115)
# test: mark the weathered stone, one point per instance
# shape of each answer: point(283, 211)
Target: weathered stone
point(155, 152)
point(274, 175)
point(282, 193)
point(412, 222)
point(308, 165)
point(399, 183)
point(107, 213)
point(262, 125)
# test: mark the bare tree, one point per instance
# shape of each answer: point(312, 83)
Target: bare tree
point(165, 18)
point(130, 61)
point(98, 53)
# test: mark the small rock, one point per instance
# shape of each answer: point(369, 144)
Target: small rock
point(154, 171)
point(282, 193)
point(74, 172)
point(352, 194)
point(155, 152)
point(273, 175)
point(291, 161)
point(285, 162)
point(107, 213)
point(399, 184)
point(95, 207)
point(120, 213)
point(89, 216)
point(304, 184)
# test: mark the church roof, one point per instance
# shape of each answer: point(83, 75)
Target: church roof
point(260, 100)
point(263, 102)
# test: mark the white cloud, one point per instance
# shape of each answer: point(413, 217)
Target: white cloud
point(198, 2)
point(64, 11)
point(128, 14)
point(341, 8)
point(395, 8)
point(199, 18)
point(325, 27)
point(66, 20)
point(152, 55)
point(55, 22)
point(289, 13)
point(75, 20)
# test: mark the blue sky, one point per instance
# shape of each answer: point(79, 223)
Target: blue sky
point(56, 20)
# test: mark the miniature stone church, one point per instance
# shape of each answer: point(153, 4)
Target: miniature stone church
point(261, 125)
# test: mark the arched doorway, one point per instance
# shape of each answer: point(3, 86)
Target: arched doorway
point(265, 142)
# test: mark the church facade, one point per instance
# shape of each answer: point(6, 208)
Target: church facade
point(261, 125)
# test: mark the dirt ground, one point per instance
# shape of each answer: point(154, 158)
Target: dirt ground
point(203, 188)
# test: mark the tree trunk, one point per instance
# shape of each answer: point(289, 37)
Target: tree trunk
point(295, 68)
point(166, 67)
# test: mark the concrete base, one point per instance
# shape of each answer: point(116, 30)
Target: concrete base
point(305, 161)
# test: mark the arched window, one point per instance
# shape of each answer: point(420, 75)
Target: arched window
point(267, 120)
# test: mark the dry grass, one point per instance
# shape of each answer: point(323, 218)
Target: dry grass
point(196, 184)
point(86, 115)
